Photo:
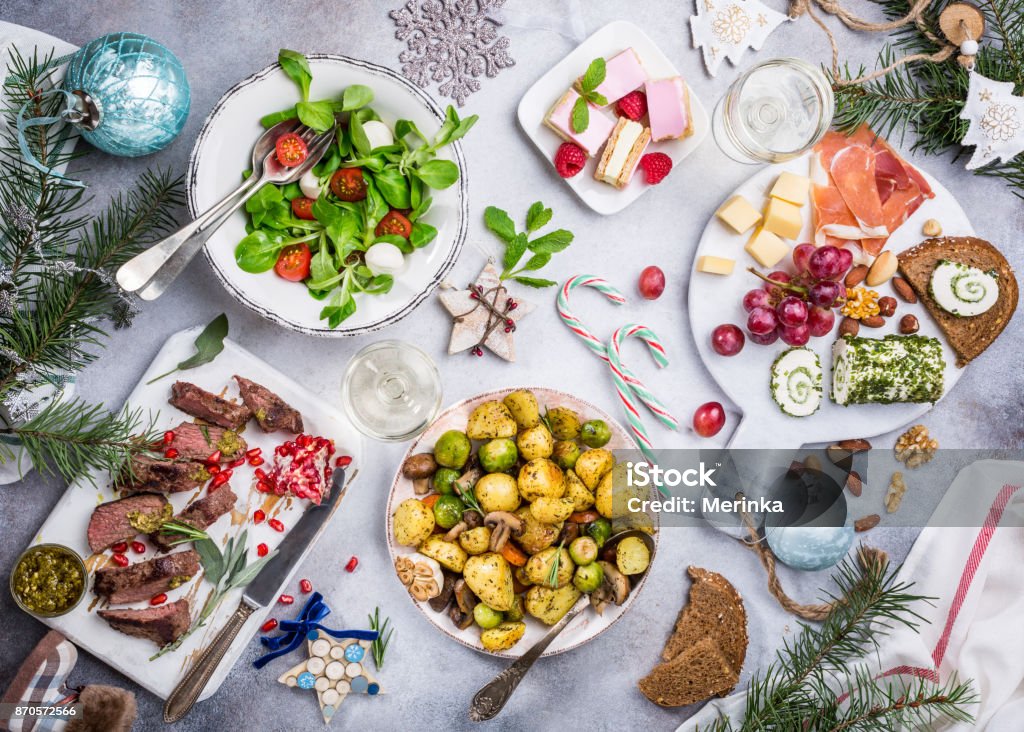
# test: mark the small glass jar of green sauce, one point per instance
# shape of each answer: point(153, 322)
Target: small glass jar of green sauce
point(48, 580)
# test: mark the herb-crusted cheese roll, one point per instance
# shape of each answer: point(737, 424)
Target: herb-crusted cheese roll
point(887, 370)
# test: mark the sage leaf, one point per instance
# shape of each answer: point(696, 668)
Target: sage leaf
point(208, 344)
point(211, 558)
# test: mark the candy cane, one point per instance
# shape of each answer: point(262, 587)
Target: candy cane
point(575, 324)
point(657, 350)
point(625, 393)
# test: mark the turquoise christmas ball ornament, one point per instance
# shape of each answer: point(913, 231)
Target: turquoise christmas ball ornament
point(133, 93)
point(810, 548)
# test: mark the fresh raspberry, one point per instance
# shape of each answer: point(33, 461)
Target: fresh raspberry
point(570, 159)
point(633, 105)
point(656, 166)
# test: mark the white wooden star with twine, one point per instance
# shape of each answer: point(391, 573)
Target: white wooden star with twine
point(485, 315)
point(996, 119)
point(725, 29)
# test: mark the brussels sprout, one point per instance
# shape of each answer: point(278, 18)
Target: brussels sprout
point(448, 511)
point(443, 479)
point(583, 550)
point(564, 422)
point(595, 433)
point(517, 611)
point(497, 456)
point(452, 449)
point(486, 616)
point(565, 454)
point(599, 531)
point(588, 577)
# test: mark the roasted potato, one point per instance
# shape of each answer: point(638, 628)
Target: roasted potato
point(489, 576)
point(552, 510)
point(631, 556)
point(580, 495)
point(611, 499)
point(497, 492)
point(489, 421)
point(535, 442)
point(541, 477)
point(524, 408)
point(565, 423)
point(447, 553)
point(517, 611)
point(548, 605)
point(535, 536)
point(413, 522)
point(538, 568)
point(475, 541)
point(592, 465)
point(504, 636)
point(565, 454)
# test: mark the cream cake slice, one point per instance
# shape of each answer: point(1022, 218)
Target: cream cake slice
point(624, 72)
point(668, 109)
point(559, 119)
point(621, 155)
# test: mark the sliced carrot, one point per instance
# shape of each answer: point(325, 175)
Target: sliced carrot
point(584, 517)
point(430, 500)
point(513, 555)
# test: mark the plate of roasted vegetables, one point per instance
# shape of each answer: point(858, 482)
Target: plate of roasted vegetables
point(500, 517)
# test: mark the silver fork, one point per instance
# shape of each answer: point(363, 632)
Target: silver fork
point(150, 273)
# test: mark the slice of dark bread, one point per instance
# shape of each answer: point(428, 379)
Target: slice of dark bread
point(968, 336)
point(697, 673)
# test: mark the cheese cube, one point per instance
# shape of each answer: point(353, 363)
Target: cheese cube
point(766, 248)
point(739, 214)
point(783, 218)
point(791, 188)
point(715, 265)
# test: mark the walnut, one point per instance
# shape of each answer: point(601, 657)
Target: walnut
point(896, 490)
point(914, 447)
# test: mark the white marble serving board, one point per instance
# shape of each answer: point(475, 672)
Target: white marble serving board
point(68, 522)
point(714, 299)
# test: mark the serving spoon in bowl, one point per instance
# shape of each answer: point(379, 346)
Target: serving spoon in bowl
point(492, 698)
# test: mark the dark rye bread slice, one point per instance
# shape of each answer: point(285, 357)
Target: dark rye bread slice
point(695, 674)
point(969, 336)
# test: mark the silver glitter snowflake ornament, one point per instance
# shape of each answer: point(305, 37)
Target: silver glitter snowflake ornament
point(452, 42)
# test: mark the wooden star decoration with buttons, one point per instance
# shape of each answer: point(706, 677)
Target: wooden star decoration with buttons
point(485, 315)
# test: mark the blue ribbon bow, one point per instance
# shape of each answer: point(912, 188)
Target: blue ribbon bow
point(304, 627)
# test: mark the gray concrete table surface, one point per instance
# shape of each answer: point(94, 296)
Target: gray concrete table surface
point(428, 679)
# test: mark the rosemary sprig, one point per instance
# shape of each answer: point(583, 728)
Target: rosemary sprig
point(380, 646)
point(556, 564)
point(185, 532)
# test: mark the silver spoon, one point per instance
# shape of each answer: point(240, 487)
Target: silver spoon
point(492, 698)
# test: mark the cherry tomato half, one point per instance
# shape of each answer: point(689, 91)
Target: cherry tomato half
point(348, 184)
point(394, 223)
point(293, 262)
point(290, 149)
point(303, 208)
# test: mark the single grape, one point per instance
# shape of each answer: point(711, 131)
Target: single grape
point(792, 310)
point(821, 321)
point(756, 299)
point(709, 419)
point(762, 321)
point(773, 289)
point(765, 339)
point(795, 335)
point(727, 340)
point(824, 263)
point(652, 283)
point(845, 260)
point(824, 293)
point(801, 254)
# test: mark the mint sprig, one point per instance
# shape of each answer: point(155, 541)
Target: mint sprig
point(592, 78)
point(517, 244)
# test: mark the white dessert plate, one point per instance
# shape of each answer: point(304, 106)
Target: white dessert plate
point(68, 521)
point(538, 100)
point(714, 299)
point(223, 150)
point(585, 627)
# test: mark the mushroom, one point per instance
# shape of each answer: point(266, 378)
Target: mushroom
point(472, 518)
point(502, 525)
point(570, 532)
point(459, 618)
point(439, 603)
point(614, 588)
point(455, 531)
point(421, 486)
point(467, 480)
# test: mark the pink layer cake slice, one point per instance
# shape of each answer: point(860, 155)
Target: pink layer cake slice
point(591, 139)
point(668, 109)
point(623, 74)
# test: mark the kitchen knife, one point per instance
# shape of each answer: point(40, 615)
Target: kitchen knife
point(260, 593)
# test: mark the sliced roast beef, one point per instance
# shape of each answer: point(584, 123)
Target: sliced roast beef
point(118, 520)
point(271, 411)
point(161, 475)
point(198, 442)
point(161, 624)
point(209, 407)
point(199, 514)
point(143, 580)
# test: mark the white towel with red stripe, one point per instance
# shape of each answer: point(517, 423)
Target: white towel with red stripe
point(970, 557)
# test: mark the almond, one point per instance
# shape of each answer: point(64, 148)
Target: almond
point(856, 275)
point(866, 523)
point(882, 269)
point(854, 483)
point(873, 321)
point(848, 326)
point(904, 290)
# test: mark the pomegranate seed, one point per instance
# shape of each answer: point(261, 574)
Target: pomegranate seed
point(256, 461)
point(168, 437)
point(262, 550)
point(286, 599)
point(328, 472)
point(352, 564)
point(260, 474)
point(279, 490)
point(219, 480)
point(343, 461)
point(212, 469)
point(138, 547)
point(306, 586)
point(254, 452)
point(239, 462)
point(259, 517)
point(262, 486)
point(281, 451)
point(269, 625)
point(330, 447)
point(170, 453)
point(120, 547)
point(275, 525)
point(158, 599)
point(214, 457)
point(120, 560)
